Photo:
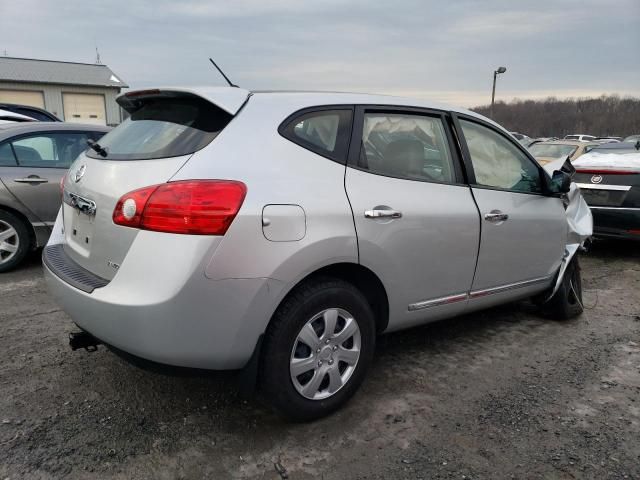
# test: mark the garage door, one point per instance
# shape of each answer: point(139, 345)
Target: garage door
point(84, 108)
point(34, 99)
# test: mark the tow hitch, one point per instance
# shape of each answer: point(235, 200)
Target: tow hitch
point(83, 340)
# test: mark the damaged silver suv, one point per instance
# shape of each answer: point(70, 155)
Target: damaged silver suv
point(281, 232)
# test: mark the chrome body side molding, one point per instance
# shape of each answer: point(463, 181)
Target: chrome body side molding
point(506, 288)
point(438, 301)
point(459, 297)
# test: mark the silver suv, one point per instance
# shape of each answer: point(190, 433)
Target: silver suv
point(281, 232)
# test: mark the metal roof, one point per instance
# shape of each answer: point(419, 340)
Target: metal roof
point(50, 71)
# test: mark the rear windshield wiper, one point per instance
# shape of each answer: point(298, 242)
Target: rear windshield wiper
point(97, 147)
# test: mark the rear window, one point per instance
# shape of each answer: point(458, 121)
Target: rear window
point(551, 150)
point(163, 125)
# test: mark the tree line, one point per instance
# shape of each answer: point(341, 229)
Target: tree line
point(553, 117)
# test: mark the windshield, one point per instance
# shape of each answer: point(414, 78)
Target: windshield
point(552, 150)
point(163, 126)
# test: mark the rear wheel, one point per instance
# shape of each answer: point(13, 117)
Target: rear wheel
point(567, 301)
point(14, 241)
point(317, 349)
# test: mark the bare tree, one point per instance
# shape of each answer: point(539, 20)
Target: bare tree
point(602, 116)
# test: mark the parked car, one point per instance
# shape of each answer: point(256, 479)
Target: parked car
point(32, 112)
point(608, 139)
point(580, 138)
point(632, 138)
point(34, 156)
point(11, 117)
point(545, 152)
point(542, 139)
point(609, 178)
point(522, 138)
point(254, 230)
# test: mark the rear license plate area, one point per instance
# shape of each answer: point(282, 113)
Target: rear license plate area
point(79, 229)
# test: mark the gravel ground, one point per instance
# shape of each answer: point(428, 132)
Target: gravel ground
point(497, 394)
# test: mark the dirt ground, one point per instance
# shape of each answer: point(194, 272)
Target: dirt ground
point(498, 394)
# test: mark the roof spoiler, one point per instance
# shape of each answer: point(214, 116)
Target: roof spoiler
point(229, 99)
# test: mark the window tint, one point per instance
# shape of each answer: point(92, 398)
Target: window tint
point(55, 150)
point(407, 146)
point(499, 163)
point(325, 132)
point(163, 126)
point(6, 156)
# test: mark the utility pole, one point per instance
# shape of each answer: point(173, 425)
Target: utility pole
point(493, 92)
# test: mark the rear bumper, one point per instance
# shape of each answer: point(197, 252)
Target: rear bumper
point(199, 323)
point(616, 222)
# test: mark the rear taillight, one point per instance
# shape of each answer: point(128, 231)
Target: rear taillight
point(601, 171)
point(194, 207)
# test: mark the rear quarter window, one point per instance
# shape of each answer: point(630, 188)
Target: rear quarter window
point(325, 131)
point(163, 125)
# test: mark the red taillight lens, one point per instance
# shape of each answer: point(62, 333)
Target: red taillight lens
point(128, 211)
point(194, 207)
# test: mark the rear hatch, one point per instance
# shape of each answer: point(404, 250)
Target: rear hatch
point(164, 129)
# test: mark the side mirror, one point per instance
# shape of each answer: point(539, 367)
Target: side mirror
point(560, 182)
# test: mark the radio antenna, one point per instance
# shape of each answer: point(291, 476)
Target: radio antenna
point(222, 73)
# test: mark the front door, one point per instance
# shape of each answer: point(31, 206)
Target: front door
point(524, 231)
point(416, 222)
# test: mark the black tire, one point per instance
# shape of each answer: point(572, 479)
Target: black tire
point(566, 303)
point(306, 301)
point(8, 220)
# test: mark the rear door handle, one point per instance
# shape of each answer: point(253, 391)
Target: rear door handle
point(381, 213)
point(496, 216)
point(31, 180)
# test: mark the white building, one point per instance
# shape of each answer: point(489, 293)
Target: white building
point(75, 92)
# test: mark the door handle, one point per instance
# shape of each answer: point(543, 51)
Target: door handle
point(31, 180)
point(496, 216)
point(382, 213)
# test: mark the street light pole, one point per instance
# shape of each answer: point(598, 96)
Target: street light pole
point(493, 92)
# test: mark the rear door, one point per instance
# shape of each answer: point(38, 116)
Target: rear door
point(42, 159)
point(524, 231)
point(416, 221)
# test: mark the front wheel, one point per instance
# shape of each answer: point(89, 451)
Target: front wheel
point(567, 301)
point(317, 349)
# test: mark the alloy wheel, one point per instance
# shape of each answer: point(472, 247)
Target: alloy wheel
point(9, 242)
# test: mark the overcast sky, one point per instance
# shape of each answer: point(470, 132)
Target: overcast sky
point(445, 50)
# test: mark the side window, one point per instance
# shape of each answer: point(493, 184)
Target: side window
point(407, 146)
point(6, 156)
point(497, 162)
point(325, 132)
point(54, 150)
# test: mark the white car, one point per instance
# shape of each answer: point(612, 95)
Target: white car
point(580, 138)
point(11, 117)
